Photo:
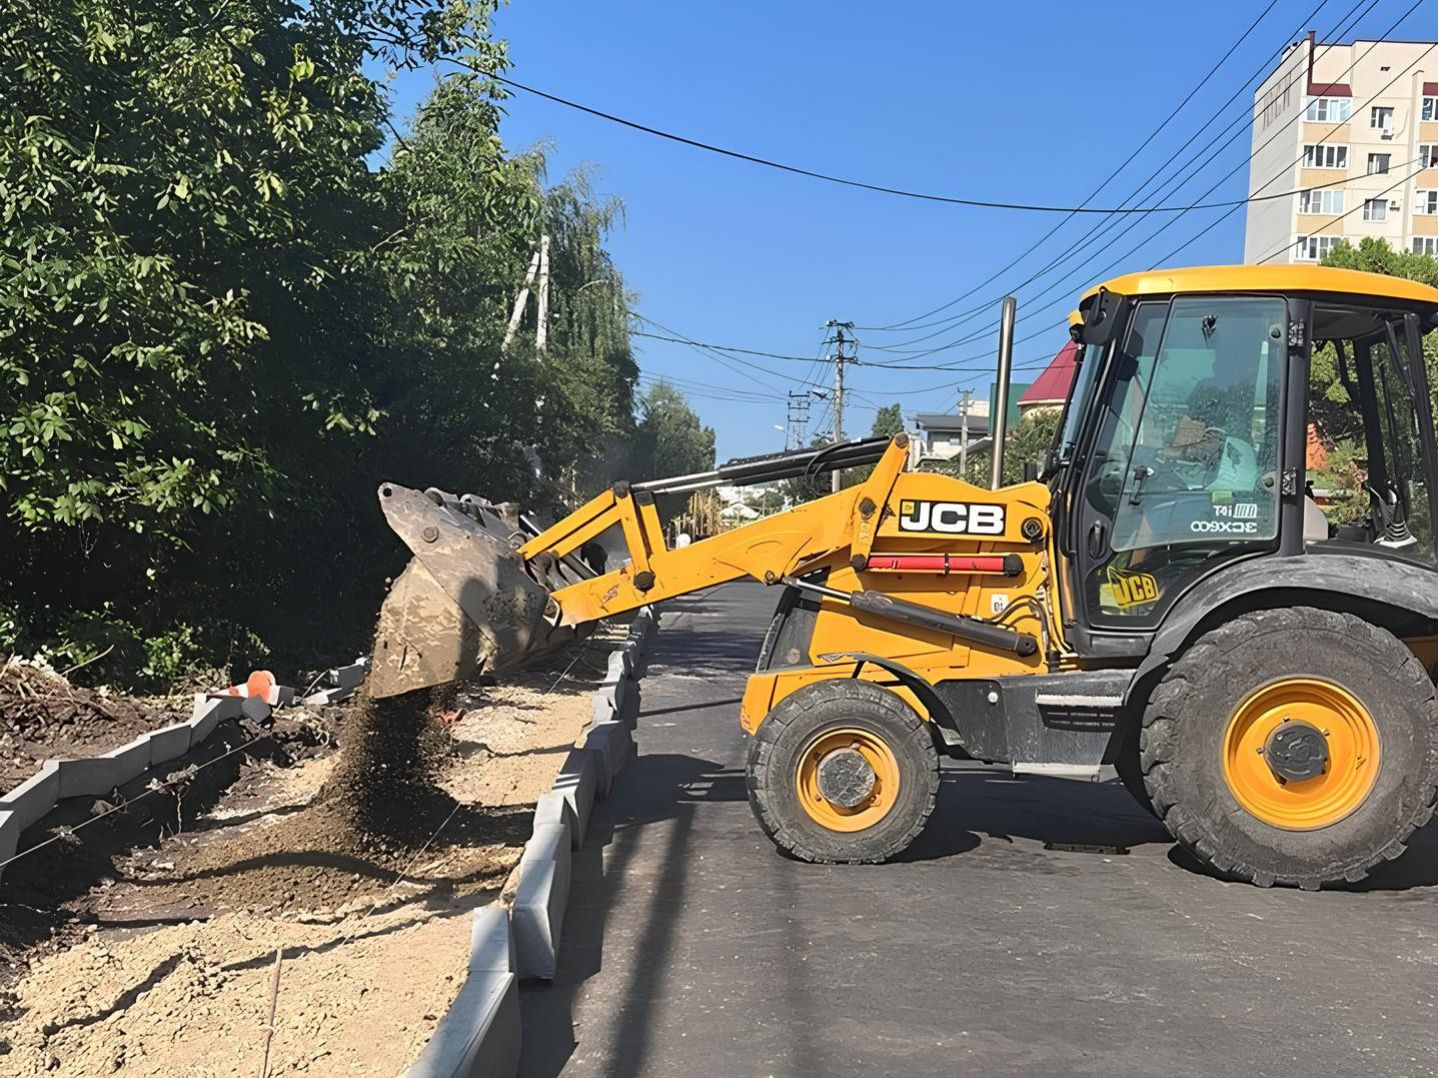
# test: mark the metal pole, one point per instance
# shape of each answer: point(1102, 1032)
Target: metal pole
point(836, 475)
point(964, 436)
point(999, 422)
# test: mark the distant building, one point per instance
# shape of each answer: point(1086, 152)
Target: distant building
point(1377, 167)
point(1052, 387)
point(940, 434)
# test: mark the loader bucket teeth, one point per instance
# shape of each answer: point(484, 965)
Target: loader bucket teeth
point(465, 604)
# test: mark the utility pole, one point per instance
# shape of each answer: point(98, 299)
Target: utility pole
point(519, 302)
point(839, 358)
point(964, 435)
point(541, 334)
point(798, 420)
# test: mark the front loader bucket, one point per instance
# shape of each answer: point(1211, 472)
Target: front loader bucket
point(465, 604)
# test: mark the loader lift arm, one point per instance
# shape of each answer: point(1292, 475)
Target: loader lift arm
point(809, 536)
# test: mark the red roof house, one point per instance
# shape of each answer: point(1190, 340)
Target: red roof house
point(1051, 388)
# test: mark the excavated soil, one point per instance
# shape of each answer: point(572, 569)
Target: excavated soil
point(43, 717)
point(173, 976)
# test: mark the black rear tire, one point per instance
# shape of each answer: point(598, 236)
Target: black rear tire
point(1182, 745)
point(793, 726)
point(1130, 769)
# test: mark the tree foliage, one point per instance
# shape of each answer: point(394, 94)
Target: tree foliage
point(1024, 444)
point(888, 420)
point(221, 326)
point(670, 439)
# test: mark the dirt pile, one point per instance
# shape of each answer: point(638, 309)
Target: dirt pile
point(315, 860)
point(43, 716)
point(390, 753)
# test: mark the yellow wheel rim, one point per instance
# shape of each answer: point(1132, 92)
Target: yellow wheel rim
point(1251, 761)
point(839, 747)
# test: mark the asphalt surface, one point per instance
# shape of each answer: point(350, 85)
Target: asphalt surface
point(692, 947)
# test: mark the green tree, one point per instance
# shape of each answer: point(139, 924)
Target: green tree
point(221, 327)
point(888, 421)
point(1025, 444)
point(670, 439)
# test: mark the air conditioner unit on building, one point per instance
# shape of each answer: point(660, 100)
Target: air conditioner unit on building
point(1386, 133)
point(1395, 206)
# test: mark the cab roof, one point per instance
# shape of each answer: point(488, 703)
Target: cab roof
point(1284, 279)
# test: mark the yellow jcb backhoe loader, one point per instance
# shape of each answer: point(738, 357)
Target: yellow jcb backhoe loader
point(1182, 591)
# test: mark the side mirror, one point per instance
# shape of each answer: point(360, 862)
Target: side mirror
point(1031, 471)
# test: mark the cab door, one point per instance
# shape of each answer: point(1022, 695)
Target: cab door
point(1184, 468)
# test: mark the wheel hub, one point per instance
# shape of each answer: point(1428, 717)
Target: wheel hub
point(1296, 751)
point(1301, 753)
point(845, 778)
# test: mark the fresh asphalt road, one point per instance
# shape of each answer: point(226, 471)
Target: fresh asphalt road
point(692, 947)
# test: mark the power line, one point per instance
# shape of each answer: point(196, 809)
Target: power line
point(1100, 274)
point(719, 357)
point(1107, 180)
point(828, 178)
point(1181, 177)
point(720, 347)
point(1382, 194)
point(727, 349)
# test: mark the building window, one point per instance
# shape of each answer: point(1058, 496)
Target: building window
point(1375, 209)
point(1324, 155)
point(1329, 109)
point(1320, 201)
point(1425, 245)
point(1315, 248)
point(1426, 202)
point(1378, 163)
point(1380, 117)
point(1430, 108)
point(1428, 154)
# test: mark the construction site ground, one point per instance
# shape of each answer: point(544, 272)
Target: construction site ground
point(690, 942)
point(156, 958)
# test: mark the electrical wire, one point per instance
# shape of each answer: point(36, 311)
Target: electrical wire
point(1062, 282)
point(1183, 174)
point(907, 323)
point(1107, 211)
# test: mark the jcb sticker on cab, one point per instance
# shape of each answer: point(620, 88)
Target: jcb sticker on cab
point(951, 518)
point(1131, 589)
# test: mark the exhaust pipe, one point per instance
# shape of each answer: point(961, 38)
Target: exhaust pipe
point(999, 422)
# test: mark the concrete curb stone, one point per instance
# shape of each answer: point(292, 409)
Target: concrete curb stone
point(9, 836)
point(537, 915)
point(553, 807)
point(575, 783)
point(610, 741)
point(98, 775)
point(34, 797)
point(169, 742)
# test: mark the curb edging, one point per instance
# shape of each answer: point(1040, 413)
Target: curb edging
point(95, 776)
point(479, 1036)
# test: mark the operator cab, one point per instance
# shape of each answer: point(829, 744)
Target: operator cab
point(1226, 413)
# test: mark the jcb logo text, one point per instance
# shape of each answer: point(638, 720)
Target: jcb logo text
point(951, 518)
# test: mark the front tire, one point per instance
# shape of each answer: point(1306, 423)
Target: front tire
point(1295, 746)
point(843, 771)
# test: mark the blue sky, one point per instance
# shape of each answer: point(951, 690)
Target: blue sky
point(1031, 102)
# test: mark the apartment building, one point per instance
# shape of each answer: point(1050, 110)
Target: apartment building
point(1351, 120)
